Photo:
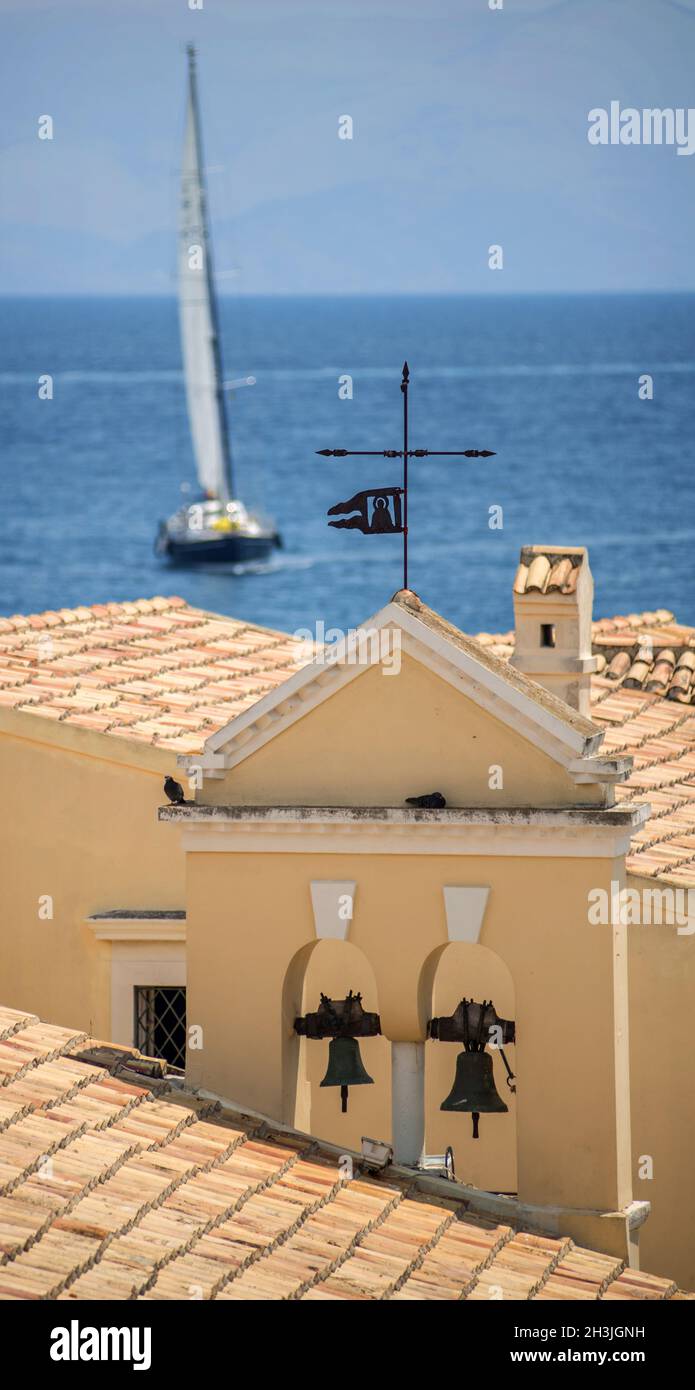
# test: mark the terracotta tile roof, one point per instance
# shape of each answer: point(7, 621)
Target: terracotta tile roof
point(660, 736)
point(155, 671)
point(643, 651)
point(647, 651)
point(162, 674)
point(116, 1183)
point(548, 569)
point(644, 698)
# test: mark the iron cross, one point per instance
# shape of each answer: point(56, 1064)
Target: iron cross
point(381, 521)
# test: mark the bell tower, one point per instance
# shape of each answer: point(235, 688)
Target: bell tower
point(553, 602)
point(312, 879)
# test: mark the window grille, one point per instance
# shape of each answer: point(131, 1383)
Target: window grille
point(160, 1022)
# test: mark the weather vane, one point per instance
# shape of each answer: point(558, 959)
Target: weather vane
point(389, 510)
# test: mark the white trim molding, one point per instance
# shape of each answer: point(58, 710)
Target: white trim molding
point(329, 921)
point(140, 963)
point(123, 924)
point(465, 910)
point(547, 723)
point(567, 833)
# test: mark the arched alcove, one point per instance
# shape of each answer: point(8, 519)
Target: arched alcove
point(332, 967)
point(450, 973)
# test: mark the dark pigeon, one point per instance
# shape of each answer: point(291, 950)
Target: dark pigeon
point(174, 791)
point(432, 801)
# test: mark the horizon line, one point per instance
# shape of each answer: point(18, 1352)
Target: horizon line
point(344, 294)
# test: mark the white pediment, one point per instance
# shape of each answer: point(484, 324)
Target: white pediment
point(539, 717)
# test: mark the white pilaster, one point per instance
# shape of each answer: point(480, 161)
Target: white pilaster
point(408, 1101)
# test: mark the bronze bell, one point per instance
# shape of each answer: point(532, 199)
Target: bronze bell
point(345, 1067)
point(474, 1091)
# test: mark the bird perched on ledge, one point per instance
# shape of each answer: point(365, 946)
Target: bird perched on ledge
point(431, 801)
point(174, 791)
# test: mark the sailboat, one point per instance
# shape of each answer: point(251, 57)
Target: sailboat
point(217, 526)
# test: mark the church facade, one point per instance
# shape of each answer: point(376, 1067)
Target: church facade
point(301, 869)
point(302, 811)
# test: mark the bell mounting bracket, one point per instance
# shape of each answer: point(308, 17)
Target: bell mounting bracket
point(472, 1025)
point(339, 1018)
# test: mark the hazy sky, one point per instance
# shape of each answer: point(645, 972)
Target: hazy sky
point(470, 128)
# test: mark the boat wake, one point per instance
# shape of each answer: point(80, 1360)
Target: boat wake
point(270, 566)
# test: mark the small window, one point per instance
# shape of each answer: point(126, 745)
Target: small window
point(547, 634)
point(160, 1022)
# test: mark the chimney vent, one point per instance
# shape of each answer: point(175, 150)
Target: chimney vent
point(553, 602)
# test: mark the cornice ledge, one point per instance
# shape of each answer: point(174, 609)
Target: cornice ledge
point(364, 818)
point(123, 925)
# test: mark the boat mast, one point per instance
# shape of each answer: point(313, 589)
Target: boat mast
point(210, 279)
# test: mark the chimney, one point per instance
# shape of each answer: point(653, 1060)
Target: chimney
point(553, 602)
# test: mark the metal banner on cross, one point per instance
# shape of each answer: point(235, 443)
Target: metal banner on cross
point(384, 510)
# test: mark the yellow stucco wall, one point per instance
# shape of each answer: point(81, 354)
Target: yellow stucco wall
point(376, 740)
point(250, 914)
point(381, 738)
point(81, 826)
point(84, 831)
point(662, 990)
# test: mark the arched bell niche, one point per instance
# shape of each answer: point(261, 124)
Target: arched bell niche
point(451, 973)
point(334, 968)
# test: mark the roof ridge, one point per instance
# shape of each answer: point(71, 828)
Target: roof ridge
point(19, 622)
point(411, 603)
point(30, 625)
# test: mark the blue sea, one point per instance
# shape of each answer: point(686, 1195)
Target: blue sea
point(549, 382)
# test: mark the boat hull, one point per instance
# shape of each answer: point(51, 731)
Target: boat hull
point(227, 549)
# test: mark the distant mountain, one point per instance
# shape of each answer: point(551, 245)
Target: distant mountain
point(470, 129)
